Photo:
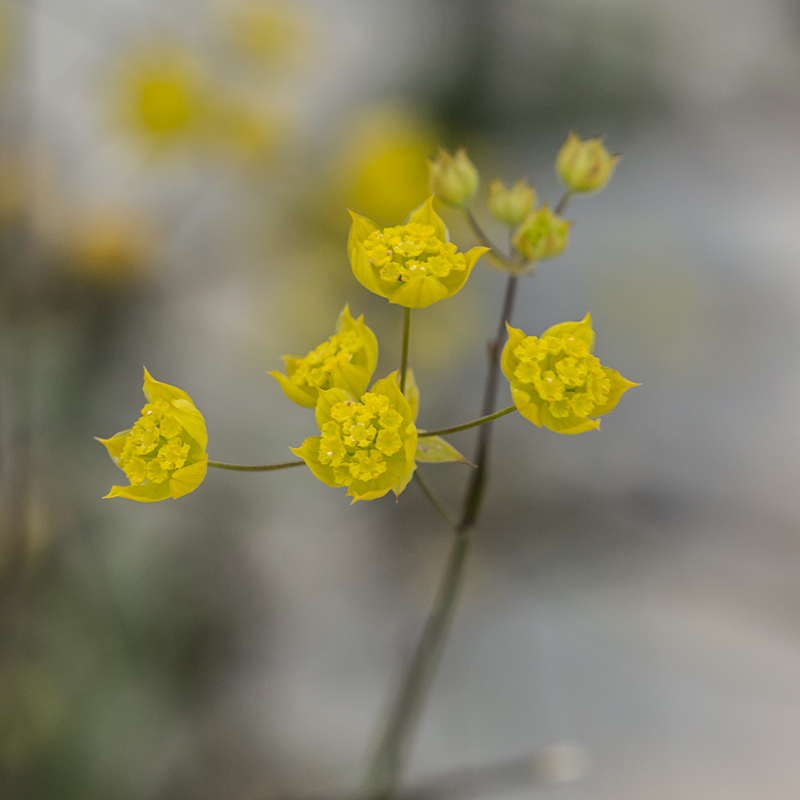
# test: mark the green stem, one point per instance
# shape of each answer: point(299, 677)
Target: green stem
point(434, 500)
point(483, 238)
point(563, 203)
point(388, 757)
point(477, 482)
point(468, 425)
point(404, 357)
point(256, 468)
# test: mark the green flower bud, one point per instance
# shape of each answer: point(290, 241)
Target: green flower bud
point(584, 166)
point(511, 206)
point(543, 235)
point(453, 179)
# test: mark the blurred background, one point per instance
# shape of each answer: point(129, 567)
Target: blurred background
point(174, 178)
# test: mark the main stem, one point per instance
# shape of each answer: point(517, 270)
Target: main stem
point(387, 761)
point(404, 357)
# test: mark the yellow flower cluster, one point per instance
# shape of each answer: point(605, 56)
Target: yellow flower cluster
point(413, 265)
point(344, 361)
point(367, 445)
point(163, 454)
point(555, 379)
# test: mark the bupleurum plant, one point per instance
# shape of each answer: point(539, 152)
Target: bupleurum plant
point(369, 442)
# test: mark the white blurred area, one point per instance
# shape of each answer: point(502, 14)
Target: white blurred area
point(632, 597)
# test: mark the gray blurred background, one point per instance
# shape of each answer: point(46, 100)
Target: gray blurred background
point(633, 595)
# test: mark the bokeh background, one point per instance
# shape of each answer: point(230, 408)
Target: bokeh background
point(631, 612)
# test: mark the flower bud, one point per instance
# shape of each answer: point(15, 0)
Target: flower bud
point(584, 166)
point(511, 206)
point(454, 179)
point(542, 235)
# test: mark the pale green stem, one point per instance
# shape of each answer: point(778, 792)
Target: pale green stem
point(468, 425)
point(404, 357)
point(256, 467)
point(389, 754)
point(435, 502)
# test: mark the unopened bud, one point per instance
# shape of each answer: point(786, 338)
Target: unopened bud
point(511, 206)
point(542, 235)
point(454, 179)
point(584, 166)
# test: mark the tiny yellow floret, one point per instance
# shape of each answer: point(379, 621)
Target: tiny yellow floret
point(453, 179)
point(557, 382)
point(344, 361)
point(584, 166)
point(511, 206)
point(164, 453)
point(412, 265)
point(542, 235)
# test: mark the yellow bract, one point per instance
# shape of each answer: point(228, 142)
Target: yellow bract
point(344, 361)
point(584, 166)
point(412, 265)
point(367, 445)
point(556, 381)
point(163, 454)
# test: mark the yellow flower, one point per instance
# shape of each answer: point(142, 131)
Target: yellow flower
point(555, 379)
point(542, 235)
point(453, 179)
point(344, 361)
point(412, 265)
point(584, 166)
point(164, 454)
point(511, 206)
point(161, 96)
point(367, 445)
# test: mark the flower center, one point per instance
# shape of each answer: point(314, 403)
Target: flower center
point(408, 251)
point(155, 447)
point(360, 438)
point(563, 373)
point(316, 368)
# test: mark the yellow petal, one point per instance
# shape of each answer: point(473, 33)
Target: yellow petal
point(419, 292)
point(360, 229)
point(293, 391)
point(309, 452)
point(192, 420)
point(155, 390)
point(145, 493)
point(363, 270)
point(188, 478)
point(412, 393)
point(115, 444)
point(426, 215)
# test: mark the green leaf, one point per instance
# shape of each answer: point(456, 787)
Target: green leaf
point(435, 450)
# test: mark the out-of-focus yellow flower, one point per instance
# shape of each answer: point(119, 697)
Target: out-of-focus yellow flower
point(584, 165)
point(162, 96)
point(542, 235)
point(345, 361)
point(453, 179)
point(556, 381)
point(511, 206)
point(239, 126)
point(111, 248)
point(381, 165)
point(412, 265)
point(164, 454)
point(268, 32)
point(367, 445)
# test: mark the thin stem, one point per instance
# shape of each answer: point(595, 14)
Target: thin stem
point(563, 203)
point(477, 482)
point(404, 357)
point(256, 468)
point(482, 237)
point(474, 424)
point(388, 757)
point(434, 500)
